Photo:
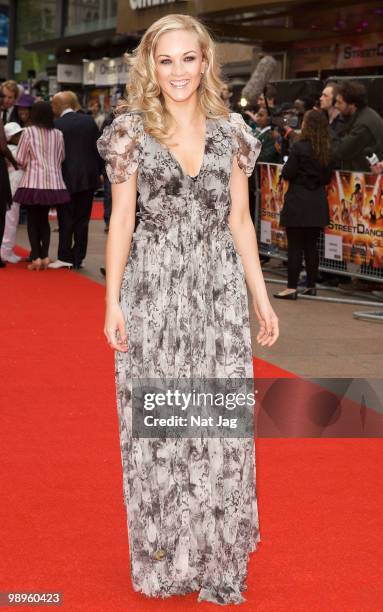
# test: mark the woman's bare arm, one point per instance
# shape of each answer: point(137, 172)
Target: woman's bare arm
point(245, 241)
point(121, 228)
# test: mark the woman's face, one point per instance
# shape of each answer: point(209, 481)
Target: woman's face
point(299, 106)
point(262, 118)
point(179, 64)
point(23, 114)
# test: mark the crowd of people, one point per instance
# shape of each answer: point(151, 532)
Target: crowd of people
point(356, 130)
point(49, 159)
point(339, 130)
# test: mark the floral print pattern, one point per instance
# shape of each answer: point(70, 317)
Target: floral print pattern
point(191, 504)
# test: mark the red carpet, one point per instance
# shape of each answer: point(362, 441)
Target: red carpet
point(97, 210)
point(62, 516)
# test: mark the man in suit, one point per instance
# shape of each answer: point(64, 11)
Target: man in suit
point(10, 93)
point(81, 168)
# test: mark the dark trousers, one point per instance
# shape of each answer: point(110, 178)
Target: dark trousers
point(3, 212)
point(73, 219)
point(107, 200)
point(302, 241)
point(39, 231)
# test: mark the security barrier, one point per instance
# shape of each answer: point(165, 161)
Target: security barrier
point(352, 244)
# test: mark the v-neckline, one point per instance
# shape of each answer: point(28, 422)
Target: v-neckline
point(185, 174)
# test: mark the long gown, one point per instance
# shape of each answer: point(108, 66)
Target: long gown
point(185, 305)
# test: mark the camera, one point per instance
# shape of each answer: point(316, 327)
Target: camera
point(373, 159)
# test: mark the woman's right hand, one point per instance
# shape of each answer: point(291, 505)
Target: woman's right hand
point(114, 328)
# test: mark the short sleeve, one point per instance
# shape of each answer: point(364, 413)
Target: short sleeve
point(246, 146)
point(120, 146)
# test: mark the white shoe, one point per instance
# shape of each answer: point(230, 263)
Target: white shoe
point(12, 258)
point(59, 264)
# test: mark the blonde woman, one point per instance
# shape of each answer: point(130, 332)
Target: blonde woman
point(177, 308)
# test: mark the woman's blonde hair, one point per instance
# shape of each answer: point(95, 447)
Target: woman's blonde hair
point(143, 92)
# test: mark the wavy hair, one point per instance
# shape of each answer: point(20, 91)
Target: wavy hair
point(143, 93)
point(316, 131)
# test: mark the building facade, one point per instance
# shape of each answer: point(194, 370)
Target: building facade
point(4, 37)
point(54, 38)
point(80, 43)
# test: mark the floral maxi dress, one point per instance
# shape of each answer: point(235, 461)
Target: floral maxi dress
point(184, 301)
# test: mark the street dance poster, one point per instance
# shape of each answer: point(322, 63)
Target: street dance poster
point(355, 233)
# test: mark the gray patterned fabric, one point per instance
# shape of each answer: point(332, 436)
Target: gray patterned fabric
point(191, 503)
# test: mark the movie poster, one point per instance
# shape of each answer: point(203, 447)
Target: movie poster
point(355, 233)
point(356, 211)
point(273, 189)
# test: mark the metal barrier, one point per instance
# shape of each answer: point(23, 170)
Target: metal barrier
point(351, 246)
point(369, 316)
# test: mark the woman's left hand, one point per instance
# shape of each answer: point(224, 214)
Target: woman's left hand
point(268, 323)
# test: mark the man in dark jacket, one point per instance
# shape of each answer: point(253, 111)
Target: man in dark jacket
point(364, 130)
point(336, 121)
point(81, 168)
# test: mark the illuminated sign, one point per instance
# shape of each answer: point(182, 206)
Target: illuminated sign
point(141, 4)
point(4, 27)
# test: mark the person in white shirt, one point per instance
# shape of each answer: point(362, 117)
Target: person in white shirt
point(13, 132)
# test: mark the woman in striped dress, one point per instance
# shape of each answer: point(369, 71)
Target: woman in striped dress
point(41, 152)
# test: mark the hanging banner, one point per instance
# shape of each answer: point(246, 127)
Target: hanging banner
point(342, 53)
point(69, 73)
point(103, 73)
point(355, 233)
point(143, 4)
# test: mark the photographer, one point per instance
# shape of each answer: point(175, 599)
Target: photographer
point(286, 129)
